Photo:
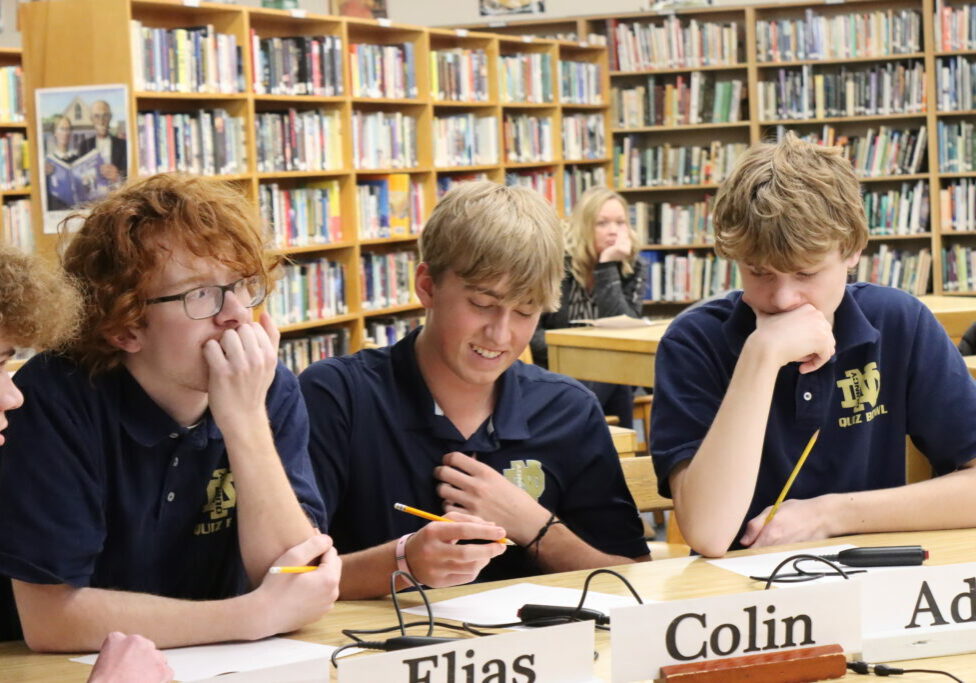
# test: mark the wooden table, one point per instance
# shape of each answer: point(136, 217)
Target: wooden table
point(971, 364)
point(624, 440)
point(956, 313)
point(618, 356)
point(660, 580)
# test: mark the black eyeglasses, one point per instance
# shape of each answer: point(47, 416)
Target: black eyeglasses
point(200, 303)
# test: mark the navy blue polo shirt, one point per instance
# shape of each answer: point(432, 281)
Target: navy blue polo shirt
point(895, 373)
point(100, 487)
point(376, 438)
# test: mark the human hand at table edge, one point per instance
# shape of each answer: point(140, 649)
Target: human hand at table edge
point(130, 659)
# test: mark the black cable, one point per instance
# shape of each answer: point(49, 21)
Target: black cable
point(884, 670)
point(802, 556)
point(396, 601)
point(931, 671)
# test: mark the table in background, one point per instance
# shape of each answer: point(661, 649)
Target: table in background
point(660, 580)
point(956, 313)
point(617, 356)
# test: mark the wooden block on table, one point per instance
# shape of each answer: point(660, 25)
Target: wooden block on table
point(786, 666)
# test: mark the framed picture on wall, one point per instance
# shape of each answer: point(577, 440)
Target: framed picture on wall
point(364, 9)
point(494, 8)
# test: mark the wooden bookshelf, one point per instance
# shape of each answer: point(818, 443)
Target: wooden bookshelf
point(64, 45)
point(14, 124)
point(753, 127)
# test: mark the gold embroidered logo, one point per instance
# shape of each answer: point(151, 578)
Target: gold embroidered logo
point(861, 388)
point(528, 476)
point(221, 499)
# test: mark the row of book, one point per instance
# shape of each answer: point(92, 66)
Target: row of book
point(542, 181)
point(957, 146)
point(678, 101)
point(525, 77)
point(669, 223)
point(459, 75)
point(898, 211)
point(903, 269)
point(883, 153)
point(955, 27)
point(384, 140)
point(688, 277)
point(388, 331)
point(187, 60)
point(389, 206)
point(299, 65)
point(584, 136)
point(383, 71)
point(891, 88)
point(580, 83)
point(874, 33)
point(18, 231)
point(203, 142)
point(386, 279)
point(528, 139)
point(959, 268)
point(465, 140)
point(300, 352)
point(957, 205)
point(14, 161)
point(11, 94)
point(448, 181)
point(302, 216)
point(657, 165)
point(955, 83)
point(577, 180)
point(308, 290)
point(672, 43)
point(296, 140)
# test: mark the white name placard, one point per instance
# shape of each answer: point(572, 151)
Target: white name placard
point(646, 637)
point(922, 612)
point(556, 653)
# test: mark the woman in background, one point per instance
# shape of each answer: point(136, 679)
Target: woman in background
point(604, 277)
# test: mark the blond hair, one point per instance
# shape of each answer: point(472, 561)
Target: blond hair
point(39, 306)
point(485, 232)
point(580, 237)
point(787, 204)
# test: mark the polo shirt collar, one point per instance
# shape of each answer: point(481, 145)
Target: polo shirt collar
point(420, 411)
point(147, 423)
point(851, 326)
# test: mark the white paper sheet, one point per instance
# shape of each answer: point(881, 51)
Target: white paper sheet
point(763, 565)
point(499, 606)
point(207, 661)
point(619, 322)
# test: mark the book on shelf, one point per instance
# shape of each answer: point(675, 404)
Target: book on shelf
point(883, 152)
point(207, 142)
point(542, 181)
point(676, 277)
point(459, 75)
point(298, 353)
point(188, 60)
point(388, 331)
point(671, 43)
point(11, 94)
point(465, 140)
point(899, 268)
point(308, 290)
point(384, 140)
point(580, 82)
point(525, 78)
point(383, 71)
point(298, 65)
point(14, 161)
point(387, 279)
point(898, 211)
point(296, 140)
point(388, 206)
point(874, 33)
point(668, 223)
point(18, 231)
point(666, 165)
point(959, 268)
point(577, 180)
point(958, 205)
point(678, 100)
point(955, 27)
point(957, 146)
point(528, 138)
point(448, 181)
point(584, 136)
point(954, 83)
point(302, 216)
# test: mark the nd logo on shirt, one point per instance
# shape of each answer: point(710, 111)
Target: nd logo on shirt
point(221, 499)
point(528, 476)
point(861, 388)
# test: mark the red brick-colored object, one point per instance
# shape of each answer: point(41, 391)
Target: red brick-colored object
point(785, 666)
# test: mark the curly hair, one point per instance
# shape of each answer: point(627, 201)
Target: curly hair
point(129, 234)
point(39, 306)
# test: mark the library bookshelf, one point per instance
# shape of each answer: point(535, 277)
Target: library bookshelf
point(396, 115)
point(916, 92)
point(15, 188)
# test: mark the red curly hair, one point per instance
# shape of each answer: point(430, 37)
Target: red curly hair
point(119, 247)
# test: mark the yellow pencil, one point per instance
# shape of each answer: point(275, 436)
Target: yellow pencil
point(292, 570)
point(423, 514)
point(789, 482)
